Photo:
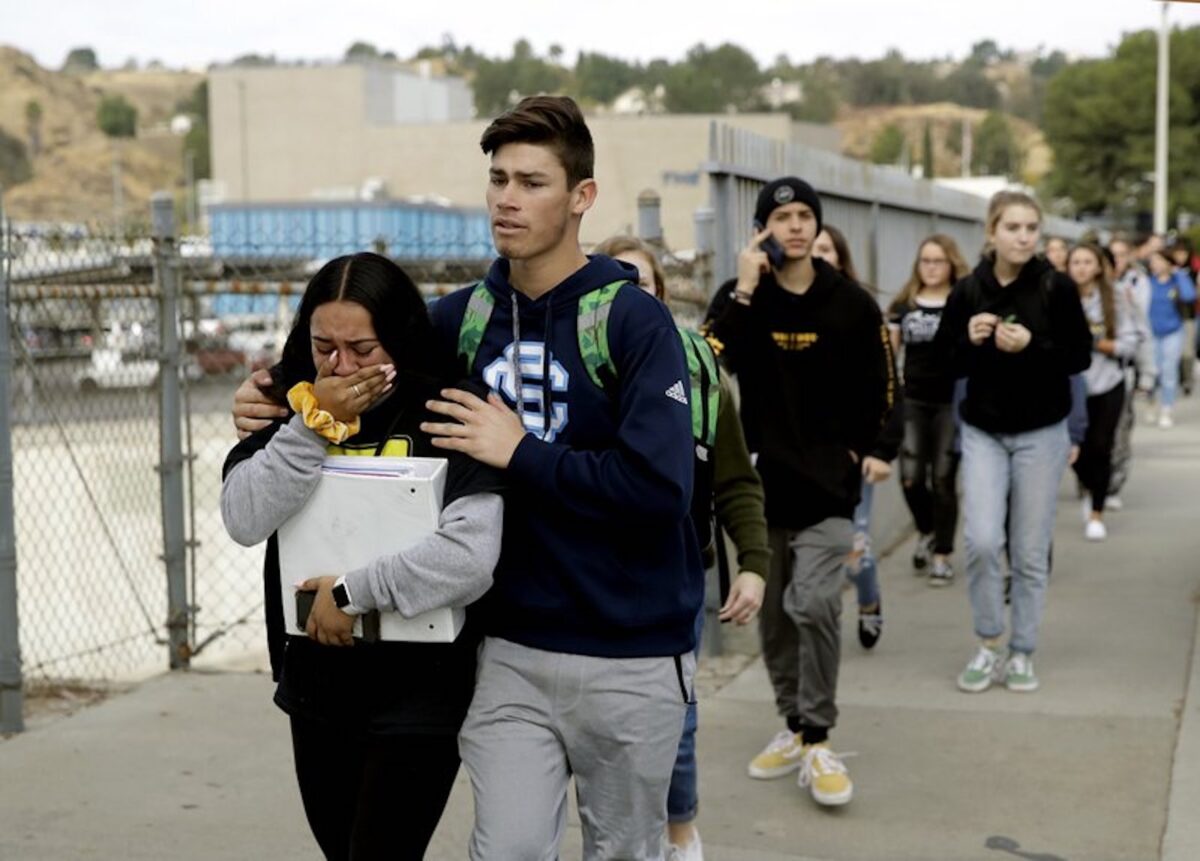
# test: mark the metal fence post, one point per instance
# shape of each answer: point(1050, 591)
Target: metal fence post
point(704, 228)
point(12, 703)
point(166, 277)
point(649, 207)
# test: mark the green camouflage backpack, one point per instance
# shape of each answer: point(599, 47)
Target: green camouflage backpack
point(592, 330)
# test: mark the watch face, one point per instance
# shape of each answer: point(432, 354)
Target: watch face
point(339, 595)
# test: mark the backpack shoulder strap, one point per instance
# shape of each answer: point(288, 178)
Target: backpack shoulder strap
point(592, 329)
point(474, 323)
point(706, 389)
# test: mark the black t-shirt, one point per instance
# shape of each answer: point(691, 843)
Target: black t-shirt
point(927, 374)
point(385, 687)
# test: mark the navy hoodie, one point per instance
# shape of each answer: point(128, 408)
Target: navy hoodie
point(599, 556)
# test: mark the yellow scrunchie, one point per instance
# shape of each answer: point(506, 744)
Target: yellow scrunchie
point(304, 402)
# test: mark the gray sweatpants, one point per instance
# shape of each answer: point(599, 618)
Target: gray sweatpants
point(800, 620)
point(538, 718)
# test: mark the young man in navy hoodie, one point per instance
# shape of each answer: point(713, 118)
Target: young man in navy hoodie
point(587, 667)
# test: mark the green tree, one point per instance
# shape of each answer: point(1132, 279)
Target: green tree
point(601, 79)
point(14, 162)
point(196, 141)
point(33, 126)
point(116, 117)
point(927, 169)
point(995, 151)
point(713, 80)
point(359, 52)
point(888, 146)
point(81, 60)
point(497, 82)
point(1099, 119)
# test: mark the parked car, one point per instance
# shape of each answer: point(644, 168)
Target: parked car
point(213, 356)
point(111, 369)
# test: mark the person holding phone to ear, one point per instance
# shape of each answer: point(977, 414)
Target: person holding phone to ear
point(813, 360)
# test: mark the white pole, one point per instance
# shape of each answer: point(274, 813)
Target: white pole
point(1160, 129)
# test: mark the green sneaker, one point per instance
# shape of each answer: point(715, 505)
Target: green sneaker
point(986, 667)
point(1018, 673)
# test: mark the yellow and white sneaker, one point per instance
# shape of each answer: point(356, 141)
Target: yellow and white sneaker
point(782, 756)
point(825, 775)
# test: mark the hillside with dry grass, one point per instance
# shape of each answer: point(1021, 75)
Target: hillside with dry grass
point(73, 174)
point(861, 126)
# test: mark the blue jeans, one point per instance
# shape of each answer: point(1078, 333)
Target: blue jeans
point(1013, 477)
point(683, 796)
point(863, 572)
point(1167, 350)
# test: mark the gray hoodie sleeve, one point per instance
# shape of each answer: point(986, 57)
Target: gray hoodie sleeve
point(1128, 337)
point(260, 493)
point(452, 567)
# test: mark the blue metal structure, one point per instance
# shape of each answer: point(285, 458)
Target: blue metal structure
point(318, 230)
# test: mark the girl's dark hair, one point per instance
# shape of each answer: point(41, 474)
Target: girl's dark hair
point(552, 121)
point(397, 310)
point(845, 259)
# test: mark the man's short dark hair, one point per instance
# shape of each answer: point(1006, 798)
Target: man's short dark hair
point(554, 121)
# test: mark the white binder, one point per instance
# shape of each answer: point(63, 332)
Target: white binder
point(365, 508)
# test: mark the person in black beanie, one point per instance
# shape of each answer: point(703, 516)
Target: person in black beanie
point(813, 360)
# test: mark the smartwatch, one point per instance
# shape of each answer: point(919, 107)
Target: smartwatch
point(341, 597)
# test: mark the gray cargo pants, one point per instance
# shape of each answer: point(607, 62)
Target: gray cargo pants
point(538, 718)
point(800, 620)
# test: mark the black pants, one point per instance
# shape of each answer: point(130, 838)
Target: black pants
point(372, 796)
point(1094, 464)
point(929, 471)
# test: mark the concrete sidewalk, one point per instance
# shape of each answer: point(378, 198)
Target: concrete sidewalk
point(197, 766)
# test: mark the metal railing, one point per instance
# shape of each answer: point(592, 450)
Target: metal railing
point(884, 212)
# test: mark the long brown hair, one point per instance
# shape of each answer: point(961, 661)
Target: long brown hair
point(624, 244)
point(958, 268)
point(1107, 300)
point(845, 258)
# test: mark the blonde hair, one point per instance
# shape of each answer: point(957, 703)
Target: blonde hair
point(625, 244)
point(958, 268)
point(1001, 201)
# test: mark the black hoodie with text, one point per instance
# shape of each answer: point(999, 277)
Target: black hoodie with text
point(1010, 393)
point(817, 380)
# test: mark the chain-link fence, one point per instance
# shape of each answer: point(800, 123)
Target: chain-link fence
point(119, 362)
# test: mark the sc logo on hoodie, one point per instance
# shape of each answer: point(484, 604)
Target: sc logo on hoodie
point(533, 375)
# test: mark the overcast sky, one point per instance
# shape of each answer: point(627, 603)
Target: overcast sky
point(195, 34)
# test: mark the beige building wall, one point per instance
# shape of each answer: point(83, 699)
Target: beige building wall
point(298, 133)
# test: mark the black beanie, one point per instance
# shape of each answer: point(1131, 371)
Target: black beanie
point(787, 189)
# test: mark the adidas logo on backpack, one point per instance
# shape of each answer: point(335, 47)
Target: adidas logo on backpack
point(678, 393)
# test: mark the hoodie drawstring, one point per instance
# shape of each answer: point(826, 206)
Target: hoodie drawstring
point(515, 361)
point(547, 388)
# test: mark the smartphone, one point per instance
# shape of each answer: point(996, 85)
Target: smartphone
point(771, 246)
point(304, 605)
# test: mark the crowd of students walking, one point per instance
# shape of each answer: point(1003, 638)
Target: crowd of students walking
point(595, 454)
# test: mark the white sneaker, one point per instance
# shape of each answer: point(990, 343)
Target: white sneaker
point(1019, 675)
point(692, 852)
point(1113, 502)
point(1165, 420)
point(1095, 530)
point(981, 671)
